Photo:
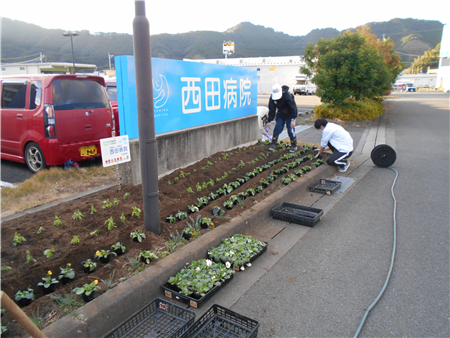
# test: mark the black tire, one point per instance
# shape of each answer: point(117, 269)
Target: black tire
point(34, 157)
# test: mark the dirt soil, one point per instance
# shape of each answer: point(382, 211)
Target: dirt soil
point(172, 197)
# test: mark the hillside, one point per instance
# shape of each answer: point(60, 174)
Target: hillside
point(20, 39)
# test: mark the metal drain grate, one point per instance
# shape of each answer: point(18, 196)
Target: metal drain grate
point(346, 182)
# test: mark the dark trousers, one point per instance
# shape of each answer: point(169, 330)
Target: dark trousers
point(337, 159)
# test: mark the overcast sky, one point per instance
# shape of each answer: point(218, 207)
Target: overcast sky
point(296, 18)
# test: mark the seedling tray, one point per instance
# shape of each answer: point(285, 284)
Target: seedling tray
point(159, 319)
point(325, 186)
point(252, 259)
point(171, 291)
point(298, 214)
point(221, 322)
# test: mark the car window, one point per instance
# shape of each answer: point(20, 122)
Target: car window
point(13, 95)
point(78, 94)
point(111, 90)
point(35, 94)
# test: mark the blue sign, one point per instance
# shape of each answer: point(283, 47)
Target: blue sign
point(186, 94)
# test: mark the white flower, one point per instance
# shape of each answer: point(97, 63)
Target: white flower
point(197, 268)
point(231, 252)
point(228, 265)
point(213, 277)
point(208, 262)
point(249, 264)
point(242, 268)
point(226, 254)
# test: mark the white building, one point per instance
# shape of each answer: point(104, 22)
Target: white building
point(443, 76)
point(419, 80)
point(270, 69)
point(44, 68)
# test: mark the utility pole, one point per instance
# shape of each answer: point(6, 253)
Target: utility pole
point(109, 58)
point(146, 118)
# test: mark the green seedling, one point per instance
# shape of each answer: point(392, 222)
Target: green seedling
point(136, 212)
point(77, 215)
point(75, 240)
point(93, 210)
point(110, 223)
point(49, 252)
point(18, 238)
point(29, 257)
point(57, 221)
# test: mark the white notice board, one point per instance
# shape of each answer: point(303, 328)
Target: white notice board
point(115, 150)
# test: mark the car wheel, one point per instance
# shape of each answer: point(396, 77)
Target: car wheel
point(34, 157)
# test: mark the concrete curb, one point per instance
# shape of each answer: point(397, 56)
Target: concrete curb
point(102, 315)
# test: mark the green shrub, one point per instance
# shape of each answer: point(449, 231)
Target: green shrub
point(352, 111)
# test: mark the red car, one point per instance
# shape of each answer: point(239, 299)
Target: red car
point(111, 90)
point(48, 119)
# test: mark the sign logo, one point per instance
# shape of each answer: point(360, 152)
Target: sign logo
point(161, 90)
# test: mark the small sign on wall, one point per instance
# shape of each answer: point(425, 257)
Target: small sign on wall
point(115, 150)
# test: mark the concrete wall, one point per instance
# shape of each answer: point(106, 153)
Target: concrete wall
point(181, 148)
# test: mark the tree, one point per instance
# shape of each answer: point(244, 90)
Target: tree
point(428, 59)
point(354, 64)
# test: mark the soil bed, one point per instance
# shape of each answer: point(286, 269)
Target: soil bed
point(173, 196)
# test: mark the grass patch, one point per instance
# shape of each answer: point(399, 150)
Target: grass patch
point(352, 111)
point(52, 184)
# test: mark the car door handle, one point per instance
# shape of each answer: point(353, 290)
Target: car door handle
point(19, 116)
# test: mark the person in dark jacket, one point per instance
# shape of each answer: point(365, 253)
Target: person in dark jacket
point(283, 109)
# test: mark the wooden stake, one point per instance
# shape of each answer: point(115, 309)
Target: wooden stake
point(22, 319)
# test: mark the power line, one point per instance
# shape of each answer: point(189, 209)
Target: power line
point(21, 57)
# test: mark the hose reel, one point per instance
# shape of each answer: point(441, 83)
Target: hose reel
point(383, 156)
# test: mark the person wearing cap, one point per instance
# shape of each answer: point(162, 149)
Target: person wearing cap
point(338, 140)
point(283, 109)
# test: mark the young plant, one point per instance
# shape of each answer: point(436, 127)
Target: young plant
point(109, 282)
point(116, 201)
point(126, 195)
point(103, 254)
point(89, 265)
point(181, 215)
point(118, 248)
point(189, 190)
point(228, 204)
point(136, 212)
point(122, 218)
point(95, 232)
point(193, 208)
point(206, 222)
point(107, 204)
point(48, 280)
point(57, 221)
point(148, 256)
point(137, 235)
point(26, 294)
point(75, 240)
point(93, 210)
point(67, 272)
point(40, 230)
point(87, 289)
point(110, 223)
point(29, 258)
point(77, 215)
point(6, 267)
point(18, 238)
point(49, 252)
point(171, 219)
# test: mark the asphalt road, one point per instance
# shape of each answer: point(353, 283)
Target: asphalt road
point(322, 285)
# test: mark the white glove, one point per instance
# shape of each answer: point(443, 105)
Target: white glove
point(317, 155)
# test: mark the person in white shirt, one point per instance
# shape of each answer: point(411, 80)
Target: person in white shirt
point(338, 140)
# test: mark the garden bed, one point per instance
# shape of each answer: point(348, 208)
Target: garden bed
point(181, 188)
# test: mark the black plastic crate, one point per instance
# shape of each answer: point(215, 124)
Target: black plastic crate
point(159, 319)
point(298, 214)
point(171, 291)
point(325, 186)
point(219, 322)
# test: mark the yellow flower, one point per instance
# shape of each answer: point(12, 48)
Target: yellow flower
point(97, 253)
point(49, 273)
point(69, 264)
point(95, 282)
point(212, 223)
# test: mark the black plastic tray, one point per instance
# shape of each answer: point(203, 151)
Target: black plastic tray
point(298, 214)
point(171, 292)
point(325, 186)
point(221, 322)
point(158, 319)
point(252, 259)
